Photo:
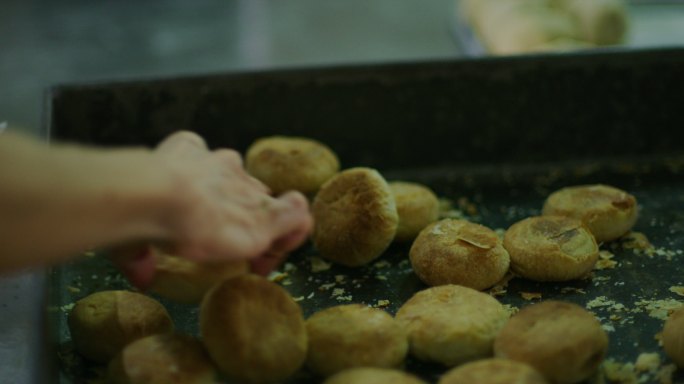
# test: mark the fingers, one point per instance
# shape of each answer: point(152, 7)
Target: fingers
point(137, 264)
point(233, 161)
point(182, 143)
point(291, 215)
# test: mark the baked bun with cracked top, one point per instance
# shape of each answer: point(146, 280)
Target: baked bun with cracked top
point(163, 359)
point(417, 207)
point(253, 330)
point(608, 212)
point(451, 324)
point(551, 248)
point(562, 340)
point(102, 323)
point(355, 217)
point(459, 252)
point(493, 371)
point(354, 335)
point(291, 163)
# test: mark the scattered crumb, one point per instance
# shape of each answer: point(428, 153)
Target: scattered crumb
point(344, 298)
point(573, 290)
point(325, 287)
point(531, 295)
point(678, 290)
point(340, 278)
point(382, 264)
point(337, 292)
point(511, 309)
point(499, 289)
point(605, 261)
point(608, 327)
point(621, 373)
point(382, 303)
point(381, 277)
point(614, 317)
point(67, 307)
point(289, 267)
point(89, 253)
point(73, 289)
point(647, 362)
point(277, 277)
point(319, 265)
point(298, 298)
point(287, 282)
point(600, 301)
point(635, 240)
point(311, 295)
point(659, 309)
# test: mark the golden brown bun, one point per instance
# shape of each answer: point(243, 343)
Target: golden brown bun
point(291, 163)
point(417, 207)
point(162, 359)
point(563, 341)
point(608, 212)
point(187, 281)
point(451, 324)
point(368, 375)
point(551, 248)
point(354, 335)
point(673, 337)
point(459, 252)
point(355, 217)
point(493, 371)
point(253, 330)
point(103, 323)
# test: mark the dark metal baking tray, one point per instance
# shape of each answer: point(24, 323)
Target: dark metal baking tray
point(493, 135)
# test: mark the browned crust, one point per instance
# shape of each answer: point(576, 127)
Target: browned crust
point(368, 375)
point(355, 217)
point(162, 359)
point(493, 371)
point(354, 335)
point(103, 323)
point(673, 337)
point(459, 252)
point(291, 163)
point(253, 330)
point(451, 324)
point(551, 248)
point(561, 340)
point(417, 207)
point(607, 211)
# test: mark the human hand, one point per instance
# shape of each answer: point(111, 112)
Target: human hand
point(219, 212)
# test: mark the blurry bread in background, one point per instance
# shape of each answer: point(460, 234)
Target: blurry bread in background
point(519, 26)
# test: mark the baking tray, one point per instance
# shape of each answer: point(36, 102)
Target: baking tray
point(494, 136)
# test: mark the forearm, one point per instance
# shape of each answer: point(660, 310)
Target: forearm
point(59, 201)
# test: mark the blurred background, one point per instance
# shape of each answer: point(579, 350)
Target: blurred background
point(43, 43)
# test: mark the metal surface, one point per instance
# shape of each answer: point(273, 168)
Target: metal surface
point(501, 133)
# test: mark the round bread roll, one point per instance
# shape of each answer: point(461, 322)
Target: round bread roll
point(493, 371)
point(368, 375)
point(162, 359)
point(563, 341)
point(291, 163)
point(608, 212)
point(354, 335)
point(551, 248)
point(253, 330)
point(673, 337)
point(103, 323)
point(417, 207)
point(355, 217)
point(451, 324)
point(459, 252)
point(187, 281)
point(602, 22)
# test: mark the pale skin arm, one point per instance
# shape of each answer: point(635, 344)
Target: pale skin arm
point(58, 201)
